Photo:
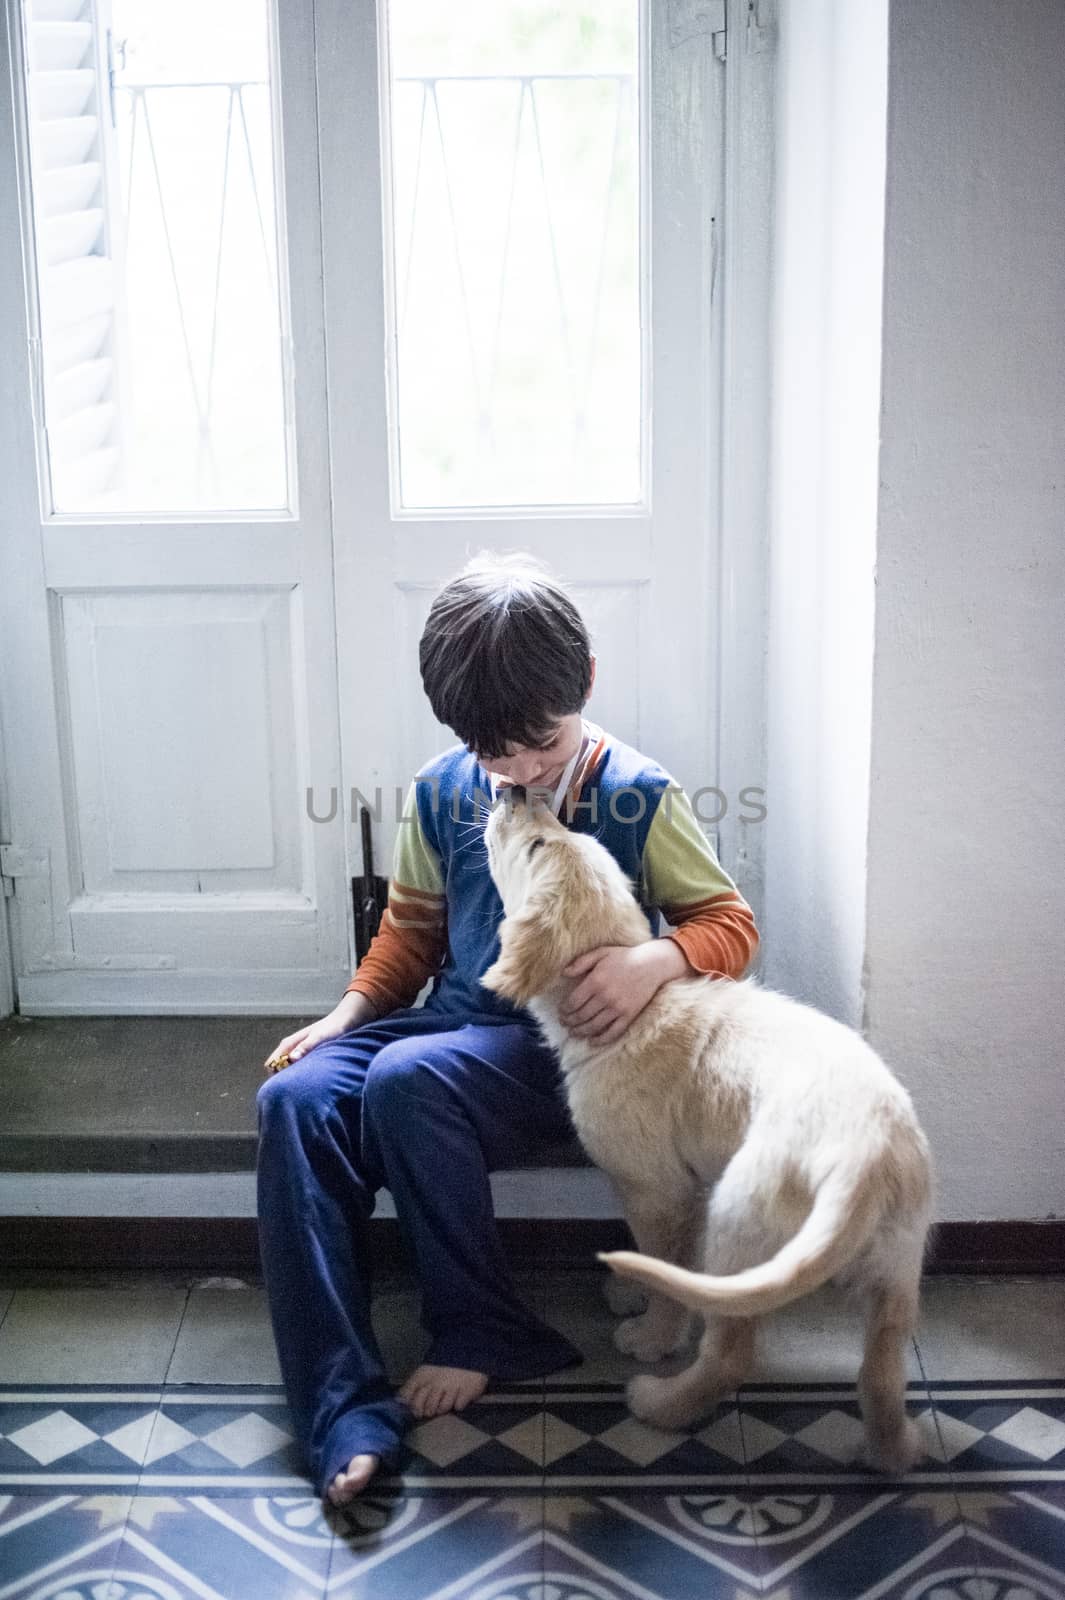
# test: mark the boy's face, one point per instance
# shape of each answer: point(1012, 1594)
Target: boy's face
point(539, 766)
point(543, 765)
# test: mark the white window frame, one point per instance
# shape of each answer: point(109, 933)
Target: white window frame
point(503, 512)
point(295, 429)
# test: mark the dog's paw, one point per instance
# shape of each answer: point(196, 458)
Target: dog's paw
point(646, 1396)
point(898, 1452)
point(625, 1298)
point(647, 1338)
point(659, 1403)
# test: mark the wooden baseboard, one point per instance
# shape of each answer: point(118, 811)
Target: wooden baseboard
point(231, 1245)
point(1003, 1247)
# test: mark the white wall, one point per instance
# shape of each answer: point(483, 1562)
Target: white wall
point(966, 905)
point(828, 251)
point(914, 843)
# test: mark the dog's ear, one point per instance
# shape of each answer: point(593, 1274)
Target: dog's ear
point(529, 954)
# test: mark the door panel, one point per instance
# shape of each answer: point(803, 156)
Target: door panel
point(643, 571)
point(170, 677)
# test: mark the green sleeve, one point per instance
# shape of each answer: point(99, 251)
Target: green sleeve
point(680, 867)
point(415, 863)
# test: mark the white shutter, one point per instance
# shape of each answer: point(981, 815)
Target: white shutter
point(72, 150)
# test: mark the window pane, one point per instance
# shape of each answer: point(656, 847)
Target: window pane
point(515, 162)
point(153, 186)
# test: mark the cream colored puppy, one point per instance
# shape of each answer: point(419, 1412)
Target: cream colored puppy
point(743, 1131)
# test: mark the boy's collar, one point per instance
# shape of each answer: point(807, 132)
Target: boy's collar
point(589, 761)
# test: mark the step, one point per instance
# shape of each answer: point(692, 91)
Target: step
point(169, 1095)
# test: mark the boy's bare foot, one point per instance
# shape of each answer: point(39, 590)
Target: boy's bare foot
point(353, 1479)
point(430, 1391)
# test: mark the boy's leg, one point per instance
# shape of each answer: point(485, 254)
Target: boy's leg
point(439, 1113)
point(315, 1195)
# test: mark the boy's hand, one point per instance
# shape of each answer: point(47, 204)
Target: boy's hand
point(617, 982)
point(351, 1011)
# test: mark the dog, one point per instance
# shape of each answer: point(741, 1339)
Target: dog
point(742, 1130)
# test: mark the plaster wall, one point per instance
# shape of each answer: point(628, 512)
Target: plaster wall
point(828, 253)
point(965, 959)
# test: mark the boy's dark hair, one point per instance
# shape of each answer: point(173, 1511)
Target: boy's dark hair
point(504, 654)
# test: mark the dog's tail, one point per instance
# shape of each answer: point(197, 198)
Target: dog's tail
point(844, 1213)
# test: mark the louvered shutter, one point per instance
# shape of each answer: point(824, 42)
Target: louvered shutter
point(72, 150)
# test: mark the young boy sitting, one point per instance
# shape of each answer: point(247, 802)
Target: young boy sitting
point(428, 1101)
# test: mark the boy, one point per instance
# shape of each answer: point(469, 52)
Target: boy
point(427, 1102)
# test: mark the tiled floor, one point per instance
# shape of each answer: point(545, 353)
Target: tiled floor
point(145, 1454)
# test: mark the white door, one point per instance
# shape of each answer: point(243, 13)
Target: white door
point(518, 208)
point(169, 675)
point(226, 519)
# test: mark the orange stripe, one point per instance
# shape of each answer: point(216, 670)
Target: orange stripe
point(427, 924)
point(417, 911)
point(408, 893)
point(730, 898)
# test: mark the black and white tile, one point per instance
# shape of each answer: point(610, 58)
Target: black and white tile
point(125, 1492)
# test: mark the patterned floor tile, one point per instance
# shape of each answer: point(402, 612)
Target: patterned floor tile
point(736, 1546)
point(604, 1443)
point(1022, 1530)
point(232, 1440)
point(169, 1493)
point(584, 1550)
point(413, 1546)
point(1015, 1433)
point(785, 1545)
point(582, 1435)
point(270, 1547)
point(549, 1490)
point(123, 1436)
point(73, 1437)
point(394, 1545)
point(973, 1433)
point(666, 1545)
point(55, 1543)
point(862, 1542)
point(498, 1441)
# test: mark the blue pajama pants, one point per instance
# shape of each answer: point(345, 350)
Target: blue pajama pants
point(427, 1105)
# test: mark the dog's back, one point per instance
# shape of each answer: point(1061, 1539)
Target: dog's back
point(829, 1176)
point(814, 1083)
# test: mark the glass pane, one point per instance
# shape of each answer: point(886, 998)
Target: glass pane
point(153, 187)
point(515, 183)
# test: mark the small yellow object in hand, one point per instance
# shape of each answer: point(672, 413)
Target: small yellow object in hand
point(275, 1063)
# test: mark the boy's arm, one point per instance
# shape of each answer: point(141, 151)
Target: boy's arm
point(711, 921)
point(409, 945)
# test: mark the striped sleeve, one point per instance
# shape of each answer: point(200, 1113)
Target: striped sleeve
point(682, 876)
point(410, 943)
